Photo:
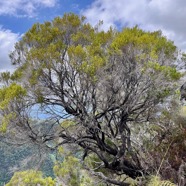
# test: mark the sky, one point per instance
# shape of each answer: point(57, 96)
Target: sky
point(18, 16)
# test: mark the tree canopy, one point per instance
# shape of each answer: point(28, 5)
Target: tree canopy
point(30, 177)
point(94, 86)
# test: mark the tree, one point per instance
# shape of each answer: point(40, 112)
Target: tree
point(95, 86)
point(70, 172)
point(30, 177)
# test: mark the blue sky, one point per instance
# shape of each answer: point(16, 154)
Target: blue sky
point(17, 16)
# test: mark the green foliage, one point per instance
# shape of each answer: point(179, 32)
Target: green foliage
point(5, 77)
point(169, 72)
point(166, 144)
point(10, 157)
point(7, 94)
point(13, 158)
point(67, 123)
point(69, 170)
point(156, 181)
point(49, 43)
point(5, 121)
point(30, 177)
point(150, 43)
point(93, 162)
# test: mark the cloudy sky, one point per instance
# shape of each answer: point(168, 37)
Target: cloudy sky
point(17, 16)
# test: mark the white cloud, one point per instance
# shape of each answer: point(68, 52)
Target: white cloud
point(24, 7)
point(167, 15)
point(7, 41)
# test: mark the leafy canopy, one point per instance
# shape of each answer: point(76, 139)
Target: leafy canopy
point(30, 177)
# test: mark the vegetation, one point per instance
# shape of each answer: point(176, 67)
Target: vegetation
point(105, 95)
point(30, 178)
point(18, 158)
